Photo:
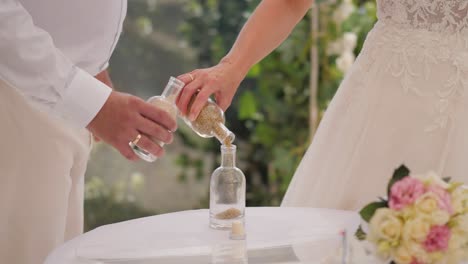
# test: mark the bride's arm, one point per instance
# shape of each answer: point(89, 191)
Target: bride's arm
point(266, 29)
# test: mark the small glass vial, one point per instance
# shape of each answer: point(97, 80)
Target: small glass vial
point(227, 191)
point(232, 252)
point(165, 101)
point(211, 123)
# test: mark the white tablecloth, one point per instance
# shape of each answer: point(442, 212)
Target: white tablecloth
point(274, 235)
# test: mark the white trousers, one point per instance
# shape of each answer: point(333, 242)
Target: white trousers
point(42, 166)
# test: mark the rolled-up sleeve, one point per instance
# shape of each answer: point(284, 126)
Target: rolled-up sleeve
point(30, 62)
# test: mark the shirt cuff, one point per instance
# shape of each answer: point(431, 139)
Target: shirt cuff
point(82, 99)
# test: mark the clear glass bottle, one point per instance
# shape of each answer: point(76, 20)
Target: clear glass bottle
point(211, 123)
point(227, 191)
point(165, 101)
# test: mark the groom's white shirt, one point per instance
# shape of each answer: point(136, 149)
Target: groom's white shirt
point(51, 49)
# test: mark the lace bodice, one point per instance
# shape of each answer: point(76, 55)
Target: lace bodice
point(424, 44)
point(434, 15)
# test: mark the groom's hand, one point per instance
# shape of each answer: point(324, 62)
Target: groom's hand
point(105, 78)
point(123, 117)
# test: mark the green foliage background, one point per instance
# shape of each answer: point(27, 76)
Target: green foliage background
point(270, 113)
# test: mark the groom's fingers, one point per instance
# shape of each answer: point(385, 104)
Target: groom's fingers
point(158, 116)
point(154, 130)
point(186, 95)
point(123, 117)
point(150, 146)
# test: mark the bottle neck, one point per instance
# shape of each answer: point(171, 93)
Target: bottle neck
point(223, 134)
point(171, 98)
point(172, 89)
point(228, 156)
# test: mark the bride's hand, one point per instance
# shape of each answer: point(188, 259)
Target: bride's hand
point(221, 80)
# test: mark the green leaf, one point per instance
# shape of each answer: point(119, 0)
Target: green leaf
point(368, 212)
point(454, 186)
point(265, 134)
point(399, 174)
point(360, 234)
point(182, 160)
point(247, 105)
point(447, 179)
point(282, 159)
point(383, 199)
point(255, 71)
point(182, 177)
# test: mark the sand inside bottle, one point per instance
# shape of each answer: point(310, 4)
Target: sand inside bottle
point(166, 104)
point(229, 195)
point(211, 121)
point(209, 116)
point(230, 213)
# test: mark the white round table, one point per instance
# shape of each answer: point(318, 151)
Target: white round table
point(274, 235)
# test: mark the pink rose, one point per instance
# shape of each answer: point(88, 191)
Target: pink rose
point(437, 239)
point(405, 192)
point(445, 200)
point(415, 261)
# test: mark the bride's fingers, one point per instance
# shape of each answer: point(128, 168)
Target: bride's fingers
point(199, 101)
point(187, 93)
point(223, 101)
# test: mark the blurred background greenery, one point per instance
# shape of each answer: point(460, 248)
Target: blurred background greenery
point(274, 114)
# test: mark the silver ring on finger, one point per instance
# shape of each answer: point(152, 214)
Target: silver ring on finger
point(136, 140)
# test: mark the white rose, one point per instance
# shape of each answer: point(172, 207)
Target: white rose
point(345, 61)
point(418, 252)
point(440, 217)
point(427, 203)
point(417, 229)
point(461, 223)
point(432, 178)
point(460, 200)
point(437, 257)
point(402, 255)
point(384, 248)
point(457, 241)
point(386, 225)
point(408, 212)
point(454, 257)
point(458, 248)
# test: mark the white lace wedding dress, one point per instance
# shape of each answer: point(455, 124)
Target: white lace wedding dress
point(403, 101)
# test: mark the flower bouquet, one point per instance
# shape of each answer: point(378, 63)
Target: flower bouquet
point(424, 220)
